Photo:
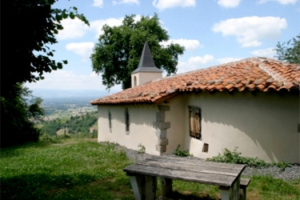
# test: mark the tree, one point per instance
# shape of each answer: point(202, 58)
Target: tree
point(118, 50)
point(18, 116)
point(290, 51)
point(33, 25)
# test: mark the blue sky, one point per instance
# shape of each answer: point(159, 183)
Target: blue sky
point(212, 31)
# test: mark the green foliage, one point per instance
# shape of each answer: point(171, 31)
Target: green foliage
point(76, 124)
point(181, 152)
point(19, 112)
point(51, 127)
point(141, 149)
point(290, 51)
point(235, 157)
point(30, 49)
point(29, 58)
point(81, 124)
point(119, 49)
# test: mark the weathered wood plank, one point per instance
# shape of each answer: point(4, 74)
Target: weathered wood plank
point(214, 179)
point(232, 193)
point(166, 187)
point(192, 167)
point(144, 187)
point(245, 182)
point(137, 186)
point(150, 187)
point(197, 162)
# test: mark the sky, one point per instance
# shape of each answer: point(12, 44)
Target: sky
point(212, 31)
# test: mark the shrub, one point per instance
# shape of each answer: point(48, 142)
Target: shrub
point(141, 149)
point(235, 157)
point(180, 152)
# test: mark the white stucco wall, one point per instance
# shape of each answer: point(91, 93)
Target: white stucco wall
point(262, 125)
point(176, 116)
point(141, 126)
point(144, 77)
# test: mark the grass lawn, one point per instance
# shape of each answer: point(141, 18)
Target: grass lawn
point(85, 169)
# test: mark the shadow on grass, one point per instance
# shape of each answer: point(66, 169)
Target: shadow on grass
point(179, 196)
point(80, 186)
point(16, 150)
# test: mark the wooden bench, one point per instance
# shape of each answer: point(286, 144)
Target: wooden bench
point(143, 176)
point(244, 182)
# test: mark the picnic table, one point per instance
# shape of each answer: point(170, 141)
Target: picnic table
point(143, 176)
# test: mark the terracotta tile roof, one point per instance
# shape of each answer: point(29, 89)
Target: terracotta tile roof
point(250, 74)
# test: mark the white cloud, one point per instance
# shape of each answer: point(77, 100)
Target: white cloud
point(76, 28)
point(163, 4)
point(229, 3)
point(283, 2)
point(250, 30)
point(84, 49)
point(98, 3)
point(198, 60)
point(73, 28)
point(194, 63)
point(189, 45)
point(269, 52)
point(68, 80)
point(98, 24)
point(126, 2)
point(227, 60)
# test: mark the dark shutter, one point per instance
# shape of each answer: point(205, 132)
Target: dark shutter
point(195, 122)
point(127, 119)
point(109, 119)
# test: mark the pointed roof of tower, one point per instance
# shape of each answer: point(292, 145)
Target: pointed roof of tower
point(146, 62)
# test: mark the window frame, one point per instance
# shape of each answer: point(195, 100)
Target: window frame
point(195, 119)
point(109, 120)
point(127, 121)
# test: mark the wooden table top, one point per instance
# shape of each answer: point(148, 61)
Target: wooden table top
point(221, 174)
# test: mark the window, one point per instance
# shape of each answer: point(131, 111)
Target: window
point(205, 148)
point(134, 81)
point(109, 119)
point(195, 122)
point(127, 120)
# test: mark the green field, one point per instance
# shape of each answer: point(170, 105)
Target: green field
point(85, 169)
point(61, 114)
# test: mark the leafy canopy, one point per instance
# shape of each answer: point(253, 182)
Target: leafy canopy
point(18, 114)
point(32, 28)
point(290, 51)
point(118, 50)
point(34, 24)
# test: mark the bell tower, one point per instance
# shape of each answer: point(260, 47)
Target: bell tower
point(146, 71)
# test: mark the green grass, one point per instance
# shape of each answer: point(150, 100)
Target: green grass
point(85, 169)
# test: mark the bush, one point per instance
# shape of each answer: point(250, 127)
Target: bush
point(141, 149)
point(181, 153)
point(235, 157)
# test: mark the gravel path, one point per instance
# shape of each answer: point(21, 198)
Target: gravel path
point(290, 173)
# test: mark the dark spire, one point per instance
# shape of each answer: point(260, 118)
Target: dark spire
point(146, 62)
